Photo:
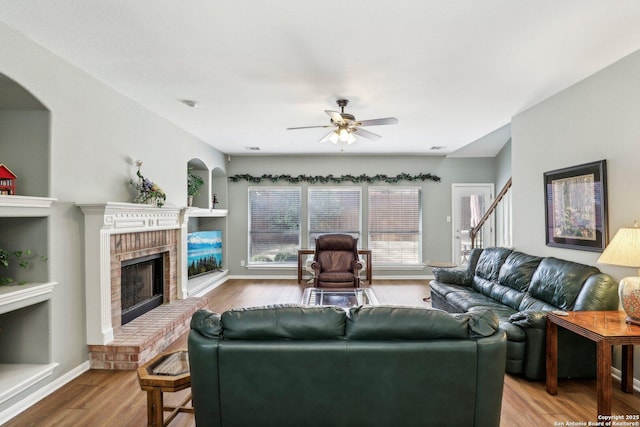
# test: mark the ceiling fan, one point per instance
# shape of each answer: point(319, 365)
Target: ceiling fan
point(346, 127)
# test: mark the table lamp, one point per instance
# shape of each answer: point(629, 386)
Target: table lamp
point(624, 251)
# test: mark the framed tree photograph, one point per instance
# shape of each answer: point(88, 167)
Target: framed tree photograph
point(576, 207)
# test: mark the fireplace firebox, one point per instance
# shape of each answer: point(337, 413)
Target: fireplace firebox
point(142, 286)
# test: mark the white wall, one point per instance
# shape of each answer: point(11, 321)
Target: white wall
point(95, 135)
point(598, 118)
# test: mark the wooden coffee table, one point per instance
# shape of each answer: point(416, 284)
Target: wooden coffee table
point(167, 372)
point(606, 329)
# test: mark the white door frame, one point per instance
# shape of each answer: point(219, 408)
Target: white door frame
point(458, 190)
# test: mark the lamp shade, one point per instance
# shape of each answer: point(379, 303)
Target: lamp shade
point(624, 251)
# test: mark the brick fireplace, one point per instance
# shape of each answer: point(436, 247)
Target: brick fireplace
point(129, 246)
point(117, 232)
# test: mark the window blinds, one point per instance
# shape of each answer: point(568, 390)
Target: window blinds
point(395, 236)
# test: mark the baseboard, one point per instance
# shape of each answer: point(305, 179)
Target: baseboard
point(283, 277)
point(41, 393)
point(617, 374)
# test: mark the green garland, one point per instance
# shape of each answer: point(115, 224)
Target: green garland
point(335, 179)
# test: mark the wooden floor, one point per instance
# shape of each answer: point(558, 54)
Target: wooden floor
point(114, 398)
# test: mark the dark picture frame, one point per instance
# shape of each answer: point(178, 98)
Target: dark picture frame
point(576, 207)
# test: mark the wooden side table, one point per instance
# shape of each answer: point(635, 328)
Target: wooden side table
point(167, 372)
point(606, 329)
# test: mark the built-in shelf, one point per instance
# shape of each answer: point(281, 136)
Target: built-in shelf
point(15, 297)
point(204, 213)
point(200, 285)
point(25, 308)
point(15, 378)
point(25, 206)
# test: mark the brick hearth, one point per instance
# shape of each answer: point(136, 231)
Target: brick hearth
point(139, 340)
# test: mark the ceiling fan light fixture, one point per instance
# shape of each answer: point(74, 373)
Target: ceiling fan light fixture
point(344, 135)
point(345, 126)
point(351, 139)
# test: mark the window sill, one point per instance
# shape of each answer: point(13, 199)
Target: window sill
point(272, 266)
point(414, 267)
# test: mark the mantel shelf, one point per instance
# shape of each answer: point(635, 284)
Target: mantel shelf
point(202, 213)
point(27, 206)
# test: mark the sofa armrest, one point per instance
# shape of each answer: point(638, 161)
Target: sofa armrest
point(357, 265)
point(455, 276)
point(533, 319)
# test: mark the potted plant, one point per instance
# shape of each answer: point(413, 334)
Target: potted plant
point(194, 182)
point(21, 257)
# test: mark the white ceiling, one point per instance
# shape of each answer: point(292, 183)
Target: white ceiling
point(451, 71)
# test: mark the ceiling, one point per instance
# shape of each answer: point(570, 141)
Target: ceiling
point(453, 72)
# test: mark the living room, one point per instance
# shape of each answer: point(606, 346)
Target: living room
point(94, 134)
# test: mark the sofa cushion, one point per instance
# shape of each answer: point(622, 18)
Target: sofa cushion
point(482, 286)
point(413, 323)
point(490, 262)
point(468, 300)
point(558, 282)
point(444, 288)
point(517, 270)
point(287, 321)
point(392, 322)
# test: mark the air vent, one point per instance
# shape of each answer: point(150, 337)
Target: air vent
point(252, 148)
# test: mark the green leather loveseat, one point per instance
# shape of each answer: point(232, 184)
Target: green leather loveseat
point(297, 366)
point(520, 289)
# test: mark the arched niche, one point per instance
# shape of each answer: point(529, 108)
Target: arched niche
point(24, 138)
point(219, 188)
point(201, 198)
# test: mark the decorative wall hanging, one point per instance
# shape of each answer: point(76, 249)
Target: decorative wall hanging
point(576, 207)
point(317, 179)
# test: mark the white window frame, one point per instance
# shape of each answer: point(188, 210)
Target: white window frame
point(250, 232)
point(371, 242)
point(355, 233)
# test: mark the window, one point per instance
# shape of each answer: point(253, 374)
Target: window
point(274, 225)
point(334, 210)
point(395, 235)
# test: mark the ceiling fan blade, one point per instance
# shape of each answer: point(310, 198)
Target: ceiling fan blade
point(366, 134)
point(311, 127)
point(378, 122)
point(327, 137)
point(335, 116)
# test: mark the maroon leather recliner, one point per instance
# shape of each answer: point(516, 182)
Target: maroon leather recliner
point(336, 263)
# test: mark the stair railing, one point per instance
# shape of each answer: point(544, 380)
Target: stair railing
point(473, 233)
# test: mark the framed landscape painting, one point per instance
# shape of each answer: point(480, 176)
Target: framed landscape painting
point(576, 207)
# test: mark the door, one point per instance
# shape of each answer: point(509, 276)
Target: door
point(470, 202)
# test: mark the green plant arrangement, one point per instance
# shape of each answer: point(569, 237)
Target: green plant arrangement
point(21, 257)
point(148, 191)
point(194, 182)
point(355, 179)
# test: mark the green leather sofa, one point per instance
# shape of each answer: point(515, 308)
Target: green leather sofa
point(520, 289)
point(293, 365)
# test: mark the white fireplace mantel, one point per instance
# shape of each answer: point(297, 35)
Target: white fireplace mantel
point(101, 220)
